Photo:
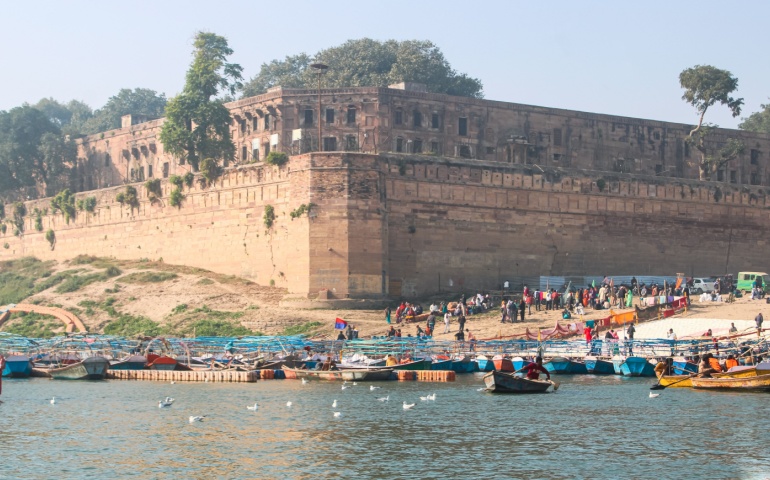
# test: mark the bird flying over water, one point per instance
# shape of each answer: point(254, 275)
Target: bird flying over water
point(197, 418)
point(253, 407)
point(407, 406)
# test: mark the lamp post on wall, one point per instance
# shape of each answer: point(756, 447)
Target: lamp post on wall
point(320, 68)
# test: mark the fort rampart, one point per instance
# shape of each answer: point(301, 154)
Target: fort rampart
point(407, 225)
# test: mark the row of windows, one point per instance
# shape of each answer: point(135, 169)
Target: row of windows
point(329, 115)
point(266, 122)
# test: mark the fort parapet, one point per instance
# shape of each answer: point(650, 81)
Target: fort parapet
point(407, 225)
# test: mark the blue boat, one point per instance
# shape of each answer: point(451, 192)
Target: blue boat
point(519, 363)
point(637, 367)
point(485, 364)
point(464, 365)
point(563, 365)
point(683, 367)
point(441, 364)
point(17, 366)
point(597, 366)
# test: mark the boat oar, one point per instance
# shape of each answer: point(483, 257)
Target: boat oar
point(555, 385)
point(658, 386)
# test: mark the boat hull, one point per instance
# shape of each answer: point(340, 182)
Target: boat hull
point(92, 368)
point(562, 365)
point(597, 366)
point(358, 374)
point(759, 383)
point(675, 381)
point(17, 366)
point(503, 365)
point(485, 365)
point(637, 367)
point(418, 365)
point(464, 366)
point(502, 382)
point(441, 365)
point(134, 362)
point(682, 367)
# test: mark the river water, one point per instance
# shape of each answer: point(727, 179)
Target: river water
point(592, 427)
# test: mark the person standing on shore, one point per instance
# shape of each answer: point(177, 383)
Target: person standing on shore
point(387, 314)
point(447, 317)
point(758, 320)
point(522, 308)
point(461, 322)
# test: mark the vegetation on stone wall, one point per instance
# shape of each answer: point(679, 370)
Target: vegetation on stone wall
point(276, 158)
point(717, 194)
point(154, 192)
point(38, 214)
point(50, 236)
point(129, 197)
point(176, 181)
point(2, 211)
point(269, 216)
point(3, 228)
point(600, 184)
point(210, 170)
point(197, 123)
point(705, 86)
point(176, 197)
point(87, 204)
point(19, 212)
point(188, 179)
point(64, 202)
point(301, 210)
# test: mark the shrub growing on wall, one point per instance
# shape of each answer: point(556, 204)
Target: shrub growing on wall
point(38, 220)
point(19, 212)
point(276, 158)
point(188, 179)
point(64, 201)
point(210, 170)
point(176, 181)
point(51, 237)
point(2, 211)
point(176, 197)
point(269, 216)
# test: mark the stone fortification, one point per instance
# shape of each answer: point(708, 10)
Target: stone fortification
point(407, 225)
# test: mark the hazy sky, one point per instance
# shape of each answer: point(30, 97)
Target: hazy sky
point(615, 57)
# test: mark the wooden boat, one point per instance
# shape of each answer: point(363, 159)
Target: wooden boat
point(503, 382)
point(485, 363)
point(423, 364)
point(92, 368)
point(763, 368)
point(684, 367)
point(675, 381)
point(17, 366)
point(356, 374)
point(597, 366)
point(741, 371)
point(637, 367)
point(503, 364)
point(441, 364)
point(156, 362)
point(464, 365)
point(565, 365)
point(519, 363)
point(759, 383)
point(132, 362)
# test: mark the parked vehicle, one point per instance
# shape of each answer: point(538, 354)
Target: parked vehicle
point(746, 280)
point(700, 285)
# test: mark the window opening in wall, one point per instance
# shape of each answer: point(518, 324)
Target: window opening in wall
point(733, 176)
point(351, 116)
point(329, 115)
point(399, 144)
point(165, 170)
point(399, 117)
point(465, 151)
point(686, 149)
point(149, 171)
point(330, 144)
point(244, 153)
point(351, 143)
point(754, 157)
point(417, 117)
point(755, 178)
point(720, 175)
point(266, 148)
point(255, 154)
point(107, 160)
point(434, 147)
point(556, 157)
point(434, 120)
point(490, 150)
point(243, 125)
point(308, 117)
point(417, 146)
point(656, 135)
point(267, 121)
point(254, 123)
point(557, 137)
point(658, 169)
point(462, 126)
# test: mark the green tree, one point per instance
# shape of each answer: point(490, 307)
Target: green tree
point(757, 121)
point(33, 150)
point(70, 118)
point(197, 124)
point(139, 101)
point(705, 86)
point(367, 62)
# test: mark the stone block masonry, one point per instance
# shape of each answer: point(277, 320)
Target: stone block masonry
point(410, 225)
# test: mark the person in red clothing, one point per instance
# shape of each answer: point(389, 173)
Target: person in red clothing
point(534, 369)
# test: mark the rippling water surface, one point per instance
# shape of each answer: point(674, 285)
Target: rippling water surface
point(593, 427)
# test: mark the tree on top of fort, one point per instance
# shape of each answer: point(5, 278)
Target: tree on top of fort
point(197, 123)
point(706, 86)
point(368, 63)
point(757, 121)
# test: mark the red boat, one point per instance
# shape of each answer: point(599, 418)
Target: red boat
point(503, 363)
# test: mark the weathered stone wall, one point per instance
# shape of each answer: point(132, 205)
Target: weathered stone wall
point(410, 225)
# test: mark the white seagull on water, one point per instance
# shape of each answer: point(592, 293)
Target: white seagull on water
point(337, 414)
point(344, 386)
point(253, 408)
point(384, 399)
point(305, 381)
point(654, 395)
point(197, 418)
point(166, 403)
point(373, 388)
point(288, 404)
point(407, 406)
point(53, 401)
point(334, 403)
